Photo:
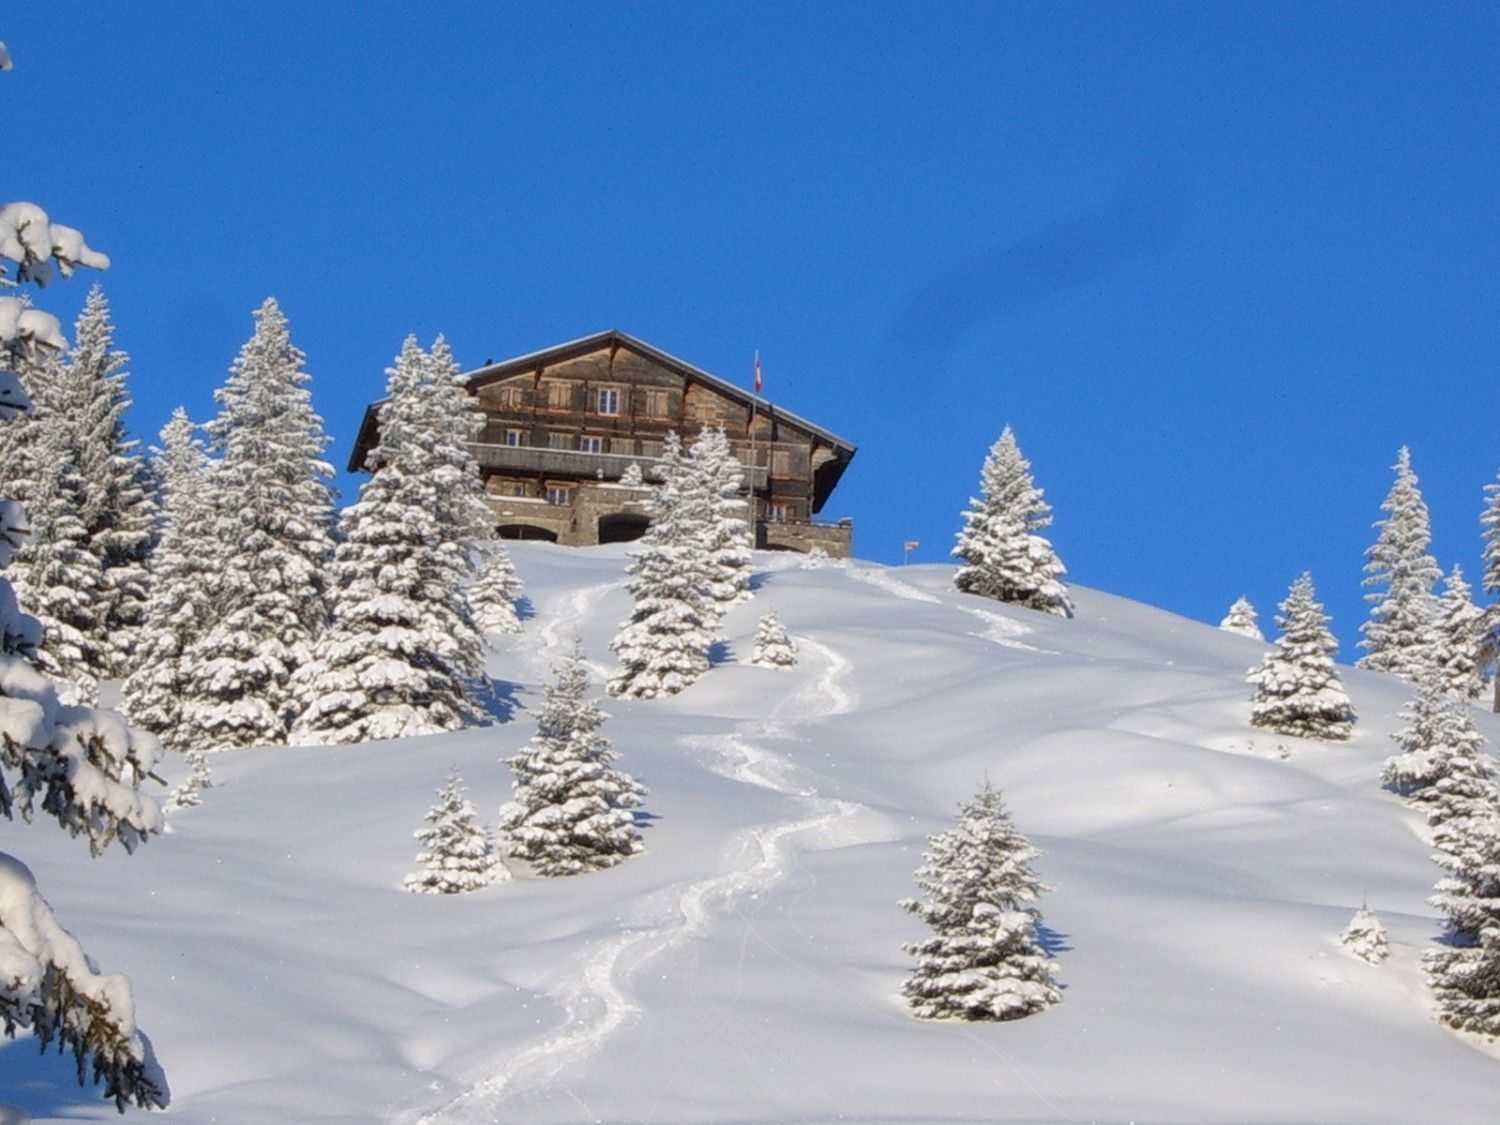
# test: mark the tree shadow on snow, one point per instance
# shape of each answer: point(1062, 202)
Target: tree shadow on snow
point(524, 608)
point(500, 701)
point(720, 652)
point(1051, 941)
point(44, 1085)
point(759, 579)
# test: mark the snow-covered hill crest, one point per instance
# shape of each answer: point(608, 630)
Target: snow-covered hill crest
point(747, 967)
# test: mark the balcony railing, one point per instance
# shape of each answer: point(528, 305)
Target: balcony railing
point(570, 462)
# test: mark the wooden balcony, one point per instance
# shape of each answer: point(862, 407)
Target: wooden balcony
point(570, 462)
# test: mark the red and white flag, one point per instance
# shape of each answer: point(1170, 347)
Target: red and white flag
point(758, 380)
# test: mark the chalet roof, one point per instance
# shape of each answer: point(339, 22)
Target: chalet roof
point(584, 345)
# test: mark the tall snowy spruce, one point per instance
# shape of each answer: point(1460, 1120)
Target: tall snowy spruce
point(571, 809)
point(57, 574)
point(274, 518)
point(457, 855)
point(117, 505)
point(663, 646)
point(1297, 687)
point(184, 573)
point(1489, 647)
point(727, 541)
point(1459, 637)
point(1003, 556)
point(1464, 973)
point(1242, 620)
point(81, 767)
point(1401, 629)
point(1438, 738)
point(402, 655)
point(983, 960)
point(492, 595)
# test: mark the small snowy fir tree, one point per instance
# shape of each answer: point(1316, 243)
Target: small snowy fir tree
point(190, 793)
point(1401, 630)
point(1243, 620)
point(1365, 937)
point(571, 810)
point(457, 854)
point(984, 960)
point(1297, 687)
point(183, 585)
point(492, 596)
point(403, 656)
point(721, 477)
point(1460, 637)
point(274, 513)
point(1439, 734)
point(632, 476)
point(773, 648)
point(816, 558)
point(79, 766)
point(1003, 556)
point(663, 646)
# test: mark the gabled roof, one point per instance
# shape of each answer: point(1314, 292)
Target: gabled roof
point(585, 345)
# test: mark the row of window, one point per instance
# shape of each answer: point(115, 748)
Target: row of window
point(782, 460)
point(558, 395)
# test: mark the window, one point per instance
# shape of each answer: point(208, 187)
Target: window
point(515, 437)
point(559, 441)
point(559, 395)
point(609, 400)
point(776, 511)
point(559, 495)
point(656, 404)
point(518, 489)
point(591, 445)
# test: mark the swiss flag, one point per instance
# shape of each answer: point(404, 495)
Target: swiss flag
point(758, 381)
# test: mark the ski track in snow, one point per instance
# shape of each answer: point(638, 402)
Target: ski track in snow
point(596, 1003)
point(998, 629)
point(554, 635)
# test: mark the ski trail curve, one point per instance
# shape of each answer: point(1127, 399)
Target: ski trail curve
point(998, 629)
point(597, 1003)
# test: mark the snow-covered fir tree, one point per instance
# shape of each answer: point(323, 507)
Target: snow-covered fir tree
point(984, 960)
point(663, 647)
point(190, 793)
point(457, 854)
point(1464, 973)
point(1401, 629)
point(183, 585)
point(1489, 646)
point(773, 648)
point(1438, 736)
point(79, 766)
point(1297, 687)
point(274, 510)
point(727, 541)
point(571, 809)
point(492, 596)
point(116, 504)
point(1243, 620)
point(58, 576)
point(1460, 637)
point(1002, 555)
point(402, 655)
point(1365, 937)
point(632, 477)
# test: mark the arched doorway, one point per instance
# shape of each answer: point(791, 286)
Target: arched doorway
point(525, 531)
point(622, 527)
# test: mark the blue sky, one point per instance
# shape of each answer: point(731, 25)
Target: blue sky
point(1214, 262)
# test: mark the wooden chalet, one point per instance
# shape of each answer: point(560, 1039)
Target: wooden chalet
point(562, 427)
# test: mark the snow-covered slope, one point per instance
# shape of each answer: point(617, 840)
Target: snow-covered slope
point(747, 967)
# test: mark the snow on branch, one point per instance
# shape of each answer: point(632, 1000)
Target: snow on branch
point(49, 987)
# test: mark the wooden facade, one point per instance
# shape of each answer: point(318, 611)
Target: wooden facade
point(563, 425)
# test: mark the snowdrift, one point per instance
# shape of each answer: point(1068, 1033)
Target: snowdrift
point(747, 967)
